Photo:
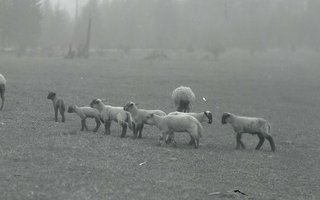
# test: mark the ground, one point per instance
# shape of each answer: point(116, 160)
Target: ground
point(43, 159)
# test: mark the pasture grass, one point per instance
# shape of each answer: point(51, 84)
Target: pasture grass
point(42, 159)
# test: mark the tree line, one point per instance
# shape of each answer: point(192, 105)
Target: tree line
point(213, 25)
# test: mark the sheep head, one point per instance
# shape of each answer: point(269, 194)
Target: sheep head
point(70, 109)
point(149, 118)
point(129, 105)
point(208, 114)
point(95, 102)
point(225, 117)
point(51, 95)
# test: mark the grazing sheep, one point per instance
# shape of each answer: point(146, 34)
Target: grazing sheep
point(140, 116)
point(3, 82)
point(110, 113)
point(183, 98)
point(205, 116)
point(254, 126)
point(58, 104)
point(176, 123)
point(84, 113)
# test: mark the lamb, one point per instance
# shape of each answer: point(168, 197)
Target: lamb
point(176, 123)
point(205, 116)
point(3, 82)
point(183, 98)
point(254, 126)
point(110, 113)
point(85, 112)
point(58, 104)
point(140, 116)
point(201, 117)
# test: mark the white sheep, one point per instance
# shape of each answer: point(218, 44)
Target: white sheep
point(85, 112)
point(176, 123)
point(110, 113)
point(140, 116)
point(183, 98)
point(205, 116)
point(58, 104)
point(254, 126)
point(3, 82)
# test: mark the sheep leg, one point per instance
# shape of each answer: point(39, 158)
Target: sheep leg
point(82, 125)
point(61, 110)
point(272, 145)
point(261, 141)
point(140, 131)
point(124, 130)
point(98, 125)
point(107, 125)
point(85, 125)
point(2, 98)
point(239, 142)
point(162, 137)
point(191, 142)
point(196, 143)
point(55, 114)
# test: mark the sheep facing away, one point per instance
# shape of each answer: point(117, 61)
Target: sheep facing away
point(176, 123)
point(3, 82)
point(183, 98)
point(58, 104)
point(110, 113)
point(205, 116)
point(254, 126)
point(85, 112)
point(140, 116)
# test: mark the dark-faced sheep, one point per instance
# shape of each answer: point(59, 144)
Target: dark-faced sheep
point(110, 113)
point(58, 105)
point(3, 82)
point(183, 98)
point(85, 112)
point(140, 116)
point(176, 123)
point(254, 126)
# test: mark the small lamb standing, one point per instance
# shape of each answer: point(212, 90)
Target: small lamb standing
point(254, 126)
point(110, 113)
point(140, 116)
point(58, 104)
point(85, 112)
point(176, 123)
point(3, 82)
point(183, 98)
point(205, 116)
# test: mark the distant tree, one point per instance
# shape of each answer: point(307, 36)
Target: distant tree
point(23, 28)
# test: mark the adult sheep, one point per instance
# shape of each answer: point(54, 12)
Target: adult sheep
point(3, 82)
point(176, 123)
point(183, 98)
point(110, 113)
point(254, 126)
point(140, 116)
point(85, 112)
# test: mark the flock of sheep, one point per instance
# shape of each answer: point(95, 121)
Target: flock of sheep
point(182, 120)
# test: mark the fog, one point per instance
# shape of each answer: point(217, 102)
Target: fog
point(211, 25)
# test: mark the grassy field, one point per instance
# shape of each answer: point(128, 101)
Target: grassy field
point(42, 159)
